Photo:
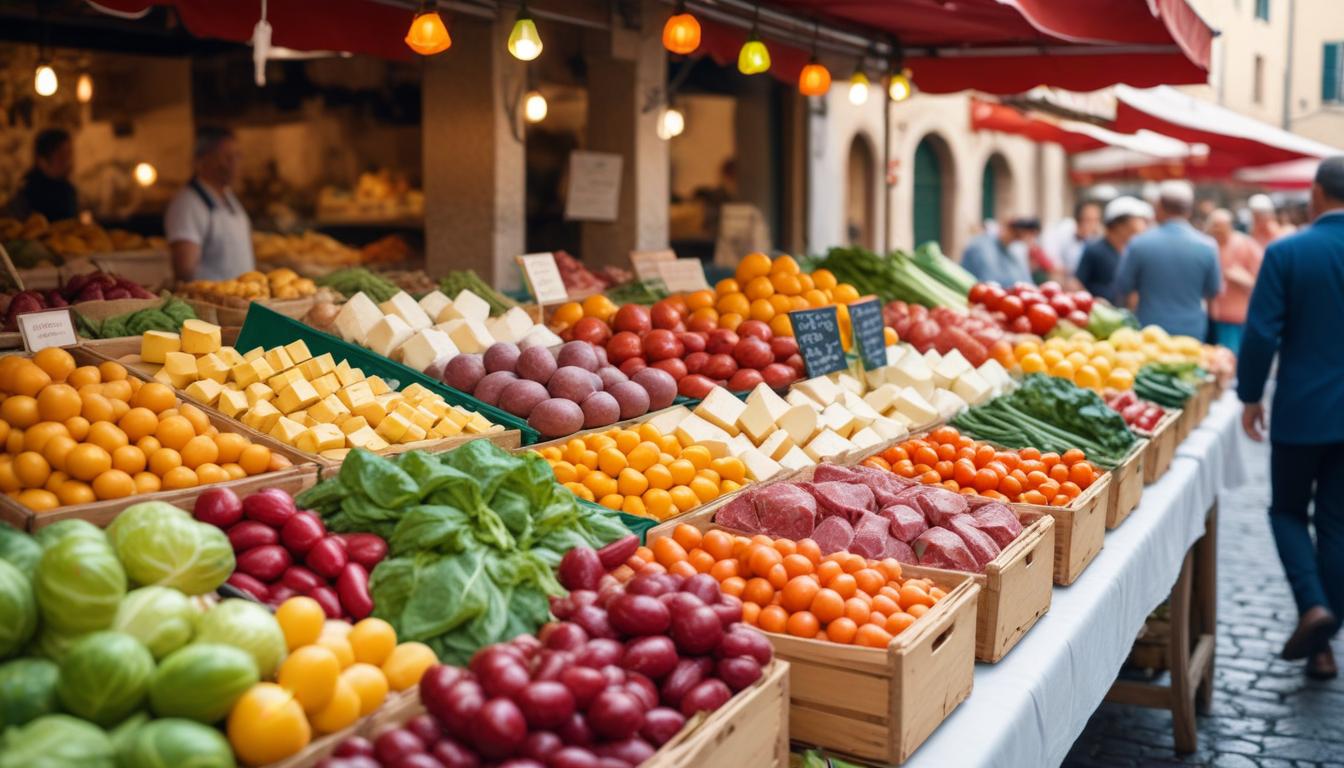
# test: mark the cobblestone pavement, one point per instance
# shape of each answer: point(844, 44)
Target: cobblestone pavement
point(1266, 713)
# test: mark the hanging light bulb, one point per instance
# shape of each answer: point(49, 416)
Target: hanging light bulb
point(84, 88)
point(671, 123)
point(534, 106)
point(428, 35)
point(815, 79)
point(899, 87)
point(858, 88)
point(524, 40)
point(44, 80)
point(754, 58)
point(145, 174)
point(681, 33)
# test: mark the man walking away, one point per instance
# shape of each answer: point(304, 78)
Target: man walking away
point(1101, 258)
point(1265, 226)
point(1239, 259)
point(1172, 268)
point(1297, 310)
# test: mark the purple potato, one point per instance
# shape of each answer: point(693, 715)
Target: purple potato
point(536, 364)
point(492, 386)
point(464, 372)
point(599, 410)
point(610, 374)
point(577, 353)
point(501, 356)
point(659, 384)
point(572, 383)
point(520, 397)
point(633, 399)
point(556, 417)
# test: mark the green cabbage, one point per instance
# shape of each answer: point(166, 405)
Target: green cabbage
point(21, 550)
point(17, 608)
point(201, 682)
point(51, 644)
point(79, 584)
point(27, 690)
point(246, 625)
point(122, 734)
point(159, 617)
point(160, 544)
point(104, 677)
point(175, 743)
point(49, 535)
point(56, 741)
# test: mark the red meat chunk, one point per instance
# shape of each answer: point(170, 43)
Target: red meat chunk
point(739, 514)
point(842, 497)
point(899, 550)
point(982, 547)
point(786, 511)
point(998, 521)
point(937, 504)
point(834, 534)
point(870, 536)
point(906, 522)
point(941, 548)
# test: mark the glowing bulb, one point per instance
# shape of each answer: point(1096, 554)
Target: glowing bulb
point(754, 58)
point(428, 35)
point(44, 80)
point(84, 88)
point(814, 80)
point(858, 88)
point(145, 174)
point(534, 106)
point(671, 123)
point(681, 33)
point(900, 88)
point(524, 40)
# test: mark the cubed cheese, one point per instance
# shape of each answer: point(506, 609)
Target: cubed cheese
point(200, 337)
point(888, 428)
point(337, 454)
point(362, 438)
point(155, 346)
point(251, 371)
point(181, 368)
point(499, 330)
point(425, 347)
point(763, 409)
point(287, 430)
point(231, 403)
point(821, 389)
point(258, 393)
point(539, 336)
point(950, 368)
point(387, 335)
point(230, 356)
point(469, 306)
point(262, 416)
point(666, 421)
point(798, 397)
point(205, 391)
point(457, 416)
point(883, 398)
point(393, 427)
point(993, 372)
point(865, 438)
point(759, 466)
point(479, 425)
point(915, 408)
point(447, 427)
point(694, 429)
point(912, 371)
point(432, 303)
point(328, 410)
point(377, 386)
point(471, 336)
point(403, 306)
point(776, 444)
point(298, 351)
point(372, 410)
point(414, 433)
point(838, 419)
point(279, 359)
point(357, 318)
point(253, 354)
point(722, 409)
point(946, 403)
point(299, 394)
point(353, 423)
point(971, 387)
point(347, 375)
point(848, 383)
point(800, 423)
point(827, 444)
point(163, 378)
point(317, 367)
point(796, 458)
point(282, 380)
point(517, 322)
point(325, 385)
point(739, 443)
point(895, 352)
point(212, 367)
point(863, 412)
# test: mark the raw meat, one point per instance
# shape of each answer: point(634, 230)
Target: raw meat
point(906, 523)
point(834, 535)
point(997, 520)
point(870, 536)
point(938, 504)
point(739, 514)
point(886, 486)
point(786, 511)
point(941, 548)
point(899, 550)
point(843, 497)
point(825, 473)
point(982, 548)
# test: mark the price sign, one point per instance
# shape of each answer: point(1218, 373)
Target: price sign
point(646, 262)
point(49, 328)
point(818, 334)
point(543, 278)
point(683, 275)
point(870, 333)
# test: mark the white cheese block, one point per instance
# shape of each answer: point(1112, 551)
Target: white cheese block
point(666, 422)
point(539, 336)
point(471, 336)
point(518, 322)
point(821, 389)
point(722, 409)
point(947, 404)
point(932, 358)
point(972, 387)
point(798, 397)
point(848, 383)
point(694, 429)
point(889, 428)
point(795, 459)
point(897, 351)
point(915, 408)
point(913, 371)
point(874, 378)
point(433, 303)
point(357, 317)
point(405, 307)
point(863, 412)
point(387, 335)
point(998, 378)
point(800, 423)
point(950, 367)
point(866, 438)
point(740, 444)
point(776, 444)
point(759, 466)
point(838, 419)
point(763, 409)
point(469, 306)
point(883, 398)
point(425, 347)
point(826, 445)
point(500, 330)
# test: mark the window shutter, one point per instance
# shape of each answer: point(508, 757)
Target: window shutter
point(1330, 72)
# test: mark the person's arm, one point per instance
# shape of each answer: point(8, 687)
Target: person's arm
point(186, 259)
point(1260, 338)
point(1126, 279)
point(184, 226)
point(1213, 276)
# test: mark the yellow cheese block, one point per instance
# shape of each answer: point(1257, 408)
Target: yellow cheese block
point(478, 424)
point(415, 392)
point(322, 437)
point(212, 367)
point(299, 394)
point(457, 416)
point(362, 437)
point(155, 346)
point(328, 410)
point(286, 430)
point(181, 368)
point(251, 371)
point(279, 359)
point(262, 416)
point(317, 367)
point(355, 395)
point(231, 403)
point(393, 427)
point(353, 424)
point(423, 418)
point(372, 411)
point(281, 381)
point(414, 434)
point(446, 427)
point(258, 392)
point(347, 375)
point(326, 385)
point(205, 391)
point(253, 354)
point(298, 351)
point(378, 386)
point(230, 356)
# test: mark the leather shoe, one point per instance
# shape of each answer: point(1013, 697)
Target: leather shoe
point(1313, 633)
point(1321, 665)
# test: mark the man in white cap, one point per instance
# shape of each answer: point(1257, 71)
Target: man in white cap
point(1124, 218)
point(1172, 268)
point(1265, 227)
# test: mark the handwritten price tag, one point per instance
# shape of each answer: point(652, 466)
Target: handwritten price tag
point(50, 328)
point(543, 278)
point(870, 333)
point(818, 334)
point(646, 263)
point(683, 275)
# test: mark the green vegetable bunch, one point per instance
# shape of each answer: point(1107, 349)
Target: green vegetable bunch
point(467, 280)
point(356, 279)
point(474, 536)
point(1166, 383)
point(169, 317)
point(892, 277)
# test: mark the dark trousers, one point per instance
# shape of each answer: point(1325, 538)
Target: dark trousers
point(1299, 474)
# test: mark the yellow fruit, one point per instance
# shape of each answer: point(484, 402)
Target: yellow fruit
point(683, 498)
point(372, 641)
point(107, 436)
point(752, 265)
point(138, 422)
point(31, 469)
point(75, 492)
point(301, 620)
point(113, 484)
point(87, 461)
point(56, 362)
point(196, 417)
point(199, 450)
point(28, 379)
point(129, 459)
point(111, 371)
point(147, 482)
point(58, 402)
point(9, 482)
point(631, 482)
point(407, 664)
point(267, 725)
point(155, 396)
point(310, 673)
point(338, 645)
point(39, 500)
point(568, 314)
point(369, 683)
point(1063, 369)
point(180, 477)
point(340, 712)
point(19, 411)
point(1120, 378)
point(164, 460)
point(255, 459)
point(96, 408)
point(1087, 377)
point(36, 437)
point(211, 473)
point(55, 480)
point(230, 445)
point(78, 427)
point(84, 374)
point(174, 432)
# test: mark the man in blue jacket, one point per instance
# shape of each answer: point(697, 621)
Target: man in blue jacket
point(1297, 310)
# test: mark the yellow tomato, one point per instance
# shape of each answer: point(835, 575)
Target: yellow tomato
point(372, 641)
point(301, 620)
point(310, 673)
point(267, 725)
point(407, 664)
point(369, 683)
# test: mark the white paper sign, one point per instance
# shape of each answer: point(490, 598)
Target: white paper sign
point(682, 275)
point(49, 328)
point(594, 192)
point(543, 278)
point(646, 262)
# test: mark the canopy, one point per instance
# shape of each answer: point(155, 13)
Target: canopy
point(1076, 136)
point(1294, 174)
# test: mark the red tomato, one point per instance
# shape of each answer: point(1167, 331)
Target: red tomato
point(1083, 301)
point(1042, 318)
point(591, 330)
point(1051, 289)
point(660, 344)
point(1063, 305)
point(1078, 318)
point(1012, 307)
point(979, 292)
point(623, 346)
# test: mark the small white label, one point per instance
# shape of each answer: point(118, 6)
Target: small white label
point(49, 328)
point(682, 275)
point(646, 262)
point(543, 278)
point(594, 192)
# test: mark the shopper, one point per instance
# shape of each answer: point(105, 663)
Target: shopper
point(208, 231)
point(46, 187)
point(1168, 272)
point(1297, 310)
point(998, 257)
point(1239, 259)
point(1265, 226)
point(1065, 241)
point(1124, 218)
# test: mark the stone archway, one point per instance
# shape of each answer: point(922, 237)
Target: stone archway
point(861, 193)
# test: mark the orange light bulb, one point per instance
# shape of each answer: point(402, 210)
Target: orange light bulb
point(814, 80)
point(428, 35)
point(681, 33)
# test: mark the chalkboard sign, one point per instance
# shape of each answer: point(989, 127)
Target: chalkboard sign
point(818, 335)
point(870, 333)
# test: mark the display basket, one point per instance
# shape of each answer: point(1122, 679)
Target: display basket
point(1127, 480)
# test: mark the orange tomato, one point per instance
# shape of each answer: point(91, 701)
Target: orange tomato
point(809, 549)
point(828, 605)
point(773, 618)
point(857, 610)
point(845, 585)
point(733, 585)
point(842, 630)
point(797, 565)
point(899, 622)
point(872, 636)
point(719, 544)
point(1082, 474)
point(870, 580)
point(688, 536)
point(762, 559)
point(667, 551)
point(799, 593)
point(802, 624)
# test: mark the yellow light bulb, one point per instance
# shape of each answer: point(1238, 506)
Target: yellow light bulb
point(900, 88)
point(428, 35)
point(534, 107)
point(145, 174)
point(858, 88)
point(44, 80)
point(84, 89)
point(524, 40)
point(754, 58)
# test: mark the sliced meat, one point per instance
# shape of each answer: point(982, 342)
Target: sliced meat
point(886, 486)
point(825, 473)
point(941, 548)
point(870, 536)
point(843, 497)
point(740, 514)
point(997, 520)
point(982, 547)
point(905, 522)
point(786, 511)
point(899, 550)
point(833, 535)
point(938, 504)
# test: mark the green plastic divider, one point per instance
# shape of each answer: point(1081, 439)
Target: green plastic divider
point(267, 328)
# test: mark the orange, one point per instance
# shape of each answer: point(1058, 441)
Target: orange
point(842, 630)
point(75, 492)
point(180, 477)
point(113, 484)
point(28, 379)
point(732, 304)
point(117, 391)
point(234, 471)
point(683, 498)
point(111, 371)
point(84, 374)
point(58, 402)
point(35, 438)
point(340, 712)
point(726, 285)
point(255, 459)
point(138, 422)
point(823, 279)
point(31, 469)
point(798, 594)
point(802, 624)
point(199, 450)
point(758, 591)
point(128, 459)
point(155, 396)
point(407, 664)
point(730, 468)
point(730, 320)
point(759, 288)
point(107, 436)
point(164, 460)
point(773, 618)
point(196, 417)
point(752, 265)
point(844, 584)
point(568, 314)
point(86, 461)
point(872, 636)
point(147, 482)
point(688, 536)
point(267, 724)
point(56, 450)
point(211, 473)
point(174, 432)
point(369, 683)
point(78, 427)
point(828, 605)
point(844, 293)
point(9, 481)
point(38, 499)
point(56, 362)
point(857, 609)
point(19, 411)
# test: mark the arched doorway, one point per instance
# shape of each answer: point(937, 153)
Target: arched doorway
point(934, 188)
point(996, 188)
point(860, 197)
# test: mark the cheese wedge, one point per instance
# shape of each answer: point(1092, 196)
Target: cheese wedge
point(200, 337)
point(155, 346)
point(722, 409)
point(357, 317)
point(799, 423)
point(403, 306)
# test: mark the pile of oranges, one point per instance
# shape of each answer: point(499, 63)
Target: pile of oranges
point(641, 471)
point(571, 312)
point(77, 434)
point(948, 458)
point(767, 290)
point(787, 587)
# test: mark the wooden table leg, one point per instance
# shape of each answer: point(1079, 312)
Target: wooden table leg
point(1180, 698)
point(1206, 602)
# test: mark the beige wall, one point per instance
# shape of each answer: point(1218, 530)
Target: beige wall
point(1315, 23)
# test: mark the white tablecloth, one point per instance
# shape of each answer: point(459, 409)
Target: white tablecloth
point(1028, 709)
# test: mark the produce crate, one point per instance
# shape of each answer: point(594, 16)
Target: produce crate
point(396, 709)
point(1161, 447)
point(223, 314)
point(1126, 485)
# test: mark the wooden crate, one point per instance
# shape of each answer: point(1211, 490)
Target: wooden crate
point(1126, 485)
point(1161, 447)
point(396, 709)
point(221, 314)
point(1080, 529)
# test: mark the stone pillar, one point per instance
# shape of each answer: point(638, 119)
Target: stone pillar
point(625, 69)
point(473, 160)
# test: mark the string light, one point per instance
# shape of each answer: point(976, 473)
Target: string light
point(145, 174)
point(524, 40)
point(534, 106)
point(671, 123)
point(428, 35)
point(84, 88)
point(899, 87)
point(44, 80)
point(858, 88)
point(754, 58)
point(681, 33)
point(814, 80)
